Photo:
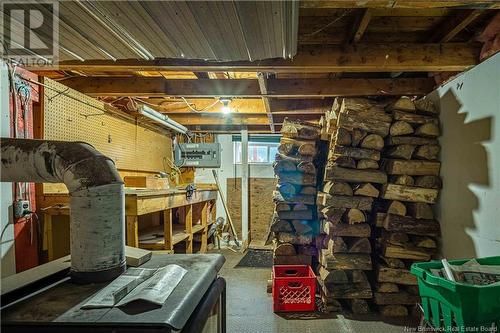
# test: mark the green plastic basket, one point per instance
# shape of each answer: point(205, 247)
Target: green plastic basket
point(454, 306)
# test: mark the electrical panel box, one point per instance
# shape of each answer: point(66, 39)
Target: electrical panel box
point(197, 155)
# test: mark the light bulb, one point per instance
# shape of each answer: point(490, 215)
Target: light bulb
point(226, 109)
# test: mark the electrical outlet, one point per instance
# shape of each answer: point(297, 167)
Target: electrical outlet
point(21, 208)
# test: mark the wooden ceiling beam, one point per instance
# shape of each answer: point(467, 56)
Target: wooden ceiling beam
point(193, 119)
point(361, 24)
point(267, 103)
point(411, 4)
point(454, 24)
point(310, 59)
point(246, 88)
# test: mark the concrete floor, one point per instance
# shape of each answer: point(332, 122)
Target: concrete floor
point(249, 308)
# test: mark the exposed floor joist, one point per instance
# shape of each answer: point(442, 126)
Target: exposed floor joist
point(450, 28)
point(277, 88)
point(335, 58)
point(361, 24)
point(263, 86)
point(415, 4)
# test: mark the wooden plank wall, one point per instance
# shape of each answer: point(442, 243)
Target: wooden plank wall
point(135, 150)
point(260, 203)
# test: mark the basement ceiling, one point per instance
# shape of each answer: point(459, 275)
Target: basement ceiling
point(221, 31)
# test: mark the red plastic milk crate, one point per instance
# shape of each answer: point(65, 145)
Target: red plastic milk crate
point(294, 288)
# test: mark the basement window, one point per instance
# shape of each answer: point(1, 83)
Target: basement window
point(258, 152)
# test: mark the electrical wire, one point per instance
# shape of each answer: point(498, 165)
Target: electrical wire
point(199, 110)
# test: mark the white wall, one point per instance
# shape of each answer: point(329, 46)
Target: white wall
point(469, 207)
point(7, 250)
point(228, 170)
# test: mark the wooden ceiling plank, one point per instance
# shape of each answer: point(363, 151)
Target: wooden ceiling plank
point(312, 59)
point(454, 24)
point(245, 88)
point(267, 103)
point(413, 4)
point(361, 24)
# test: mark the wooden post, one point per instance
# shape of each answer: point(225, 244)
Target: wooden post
point(47, 221)
point(244, 189)
point(204, 223)
point(132, 231)
point(188, 223)
point(167, 229)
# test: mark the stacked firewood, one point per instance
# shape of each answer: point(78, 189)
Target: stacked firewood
point(294, 222)
point(352, 182)
point(407, 229)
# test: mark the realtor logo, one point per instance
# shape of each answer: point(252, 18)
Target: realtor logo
point(30, 32)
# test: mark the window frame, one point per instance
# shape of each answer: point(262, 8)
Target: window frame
point(268, 145)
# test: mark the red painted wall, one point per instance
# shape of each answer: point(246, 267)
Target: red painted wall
point(26, 233)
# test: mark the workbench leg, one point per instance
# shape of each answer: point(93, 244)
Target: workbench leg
point(167, 229)
point(188, 220)
point(47, 222)
point(132, 231)
point(204, 223)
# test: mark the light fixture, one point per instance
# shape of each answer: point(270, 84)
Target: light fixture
point(226, 109)
point(161, 119)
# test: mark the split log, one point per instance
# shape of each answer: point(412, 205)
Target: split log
point(330, 277)
point(343, 161)
point(403, 103)
point(281, 206)
point(311, 190)
point(339, 188)
point(396, 207)
point(359, 245)
point(379, 219)
point(348, 230)
point(294, 159)
point(429, 130)
point(296, 215)
point(336, 245)
point(299, 198)
point(291, 147)
point(298, 259)
point(306, 167)
point(399, 298)
point(402, 180)
point(427, 152)
point(367, 164)
point(284, 249)
point(301, 227)
point(409, 140)
point(400, 128)
point(346, 291)
point(408, 251)
point(357, 153)
point(420, 210)
point(411, 225)
point(332, 214)
point(409, 193)
point(286, 189)
point(298, 178)
point(358, 306)
point(393, 263)
point(396, 275)
point(386, 287)
point(346, 261)
point(367, 190)
point(357, 135)
point(301, 207)
point(355, 176)
point(363, 115)
point(393, 310)
point(426, 105)
point(401, 151)
point(372, 141)
point(309, 250)
point(280, 225)
point(428, 182)
point(343, 137)
point(423, 241)
point(294, 239)
point(413, 118)
point(396, 238)
point(412, 168)
point(299, 129)
point(283, 166)
point(332, 305)
point(355, 216)
point(343, 201)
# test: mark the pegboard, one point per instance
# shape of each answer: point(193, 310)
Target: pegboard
point(131, 147)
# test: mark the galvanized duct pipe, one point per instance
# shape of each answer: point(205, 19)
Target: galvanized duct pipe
point(97, 200)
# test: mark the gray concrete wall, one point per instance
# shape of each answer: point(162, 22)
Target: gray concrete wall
point(469, 206)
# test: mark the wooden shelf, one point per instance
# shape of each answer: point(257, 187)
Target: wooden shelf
point(197, 228)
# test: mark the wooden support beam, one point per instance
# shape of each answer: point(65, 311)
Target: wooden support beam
point(267, 103)
point(246, 88)
point(194, 119)
point(451, 26)
point(332, 4)
point(310, 59)
point(361, 24)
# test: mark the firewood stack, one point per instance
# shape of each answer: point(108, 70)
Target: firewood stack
point(352, 182)
point(407, 228)
point(294, 223)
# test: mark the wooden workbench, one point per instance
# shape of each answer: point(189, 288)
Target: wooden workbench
point(194, 216)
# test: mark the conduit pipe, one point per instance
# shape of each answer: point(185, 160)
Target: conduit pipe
point(97, 202)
